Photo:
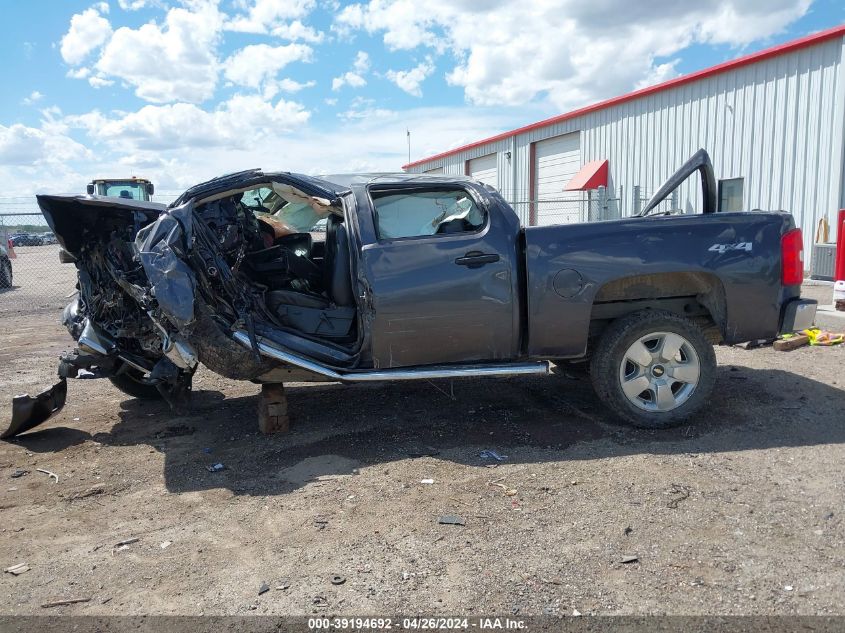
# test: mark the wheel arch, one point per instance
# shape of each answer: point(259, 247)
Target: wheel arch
point(699, 296)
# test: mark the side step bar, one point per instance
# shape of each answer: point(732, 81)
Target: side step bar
point(422, 373)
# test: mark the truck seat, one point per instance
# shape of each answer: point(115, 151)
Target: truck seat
point(329, 316)
point(337, 276)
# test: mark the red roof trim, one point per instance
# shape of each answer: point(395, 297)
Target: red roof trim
point(774, 51)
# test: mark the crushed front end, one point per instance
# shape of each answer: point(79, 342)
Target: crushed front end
point(112, 317)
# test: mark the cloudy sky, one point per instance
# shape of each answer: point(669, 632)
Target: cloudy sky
point(183, 90)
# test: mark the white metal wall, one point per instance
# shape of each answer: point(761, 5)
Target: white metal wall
point(778, 123)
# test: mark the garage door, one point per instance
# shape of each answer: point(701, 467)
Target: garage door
point(485, 170)
point(556, 161)
point(436, 170)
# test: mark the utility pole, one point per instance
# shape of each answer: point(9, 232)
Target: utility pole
point(408, 134)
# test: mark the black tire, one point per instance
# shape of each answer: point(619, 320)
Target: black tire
point(5, 274)
point(608, 373)
point(129, 383)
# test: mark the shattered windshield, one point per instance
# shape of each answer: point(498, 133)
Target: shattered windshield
point(299, 212)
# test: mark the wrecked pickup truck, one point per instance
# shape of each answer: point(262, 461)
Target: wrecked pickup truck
point(418, 277)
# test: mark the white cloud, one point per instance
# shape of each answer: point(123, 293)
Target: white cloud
point(88, 31)
point(254, 65)
point(33, 98)
point(289, 85)
point(368, 114)
point(296, 30)
point(406, 23)
point(263, 16)
point(133, 5)
point(178, 145)
point(176, 61)
point(567, 51)
point(410, 80)
point(273, 87)
point(25, 146)
point(351, 79)
point(233, 124)
point(658, 74)
point(98, 81)
point(361, 63)
point(79, 73)
point(540, 57)
point(355, 77)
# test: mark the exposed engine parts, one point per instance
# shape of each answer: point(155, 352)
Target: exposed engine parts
point(159, 292)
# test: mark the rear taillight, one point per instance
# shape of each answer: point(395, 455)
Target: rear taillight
point(792, 258)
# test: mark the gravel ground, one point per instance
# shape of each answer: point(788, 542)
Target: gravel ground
point(740, 512)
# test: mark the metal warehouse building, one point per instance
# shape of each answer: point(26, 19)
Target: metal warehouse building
point(773, 123)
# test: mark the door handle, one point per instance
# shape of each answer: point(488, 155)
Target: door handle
point(476, 259)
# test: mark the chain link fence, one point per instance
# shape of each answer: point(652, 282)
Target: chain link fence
point(591, 206)
point(32, 279)
point(641, 196)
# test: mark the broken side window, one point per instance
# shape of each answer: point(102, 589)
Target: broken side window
point(421, 213)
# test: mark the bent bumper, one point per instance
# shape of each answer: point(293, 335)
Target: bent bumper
point(29, 412)
point(798, 314)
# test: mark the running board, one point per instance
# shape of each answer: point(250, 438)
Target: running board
point(410, 373)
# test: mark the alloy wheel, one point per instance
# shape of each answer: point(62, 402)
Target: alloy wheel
point(659, 371)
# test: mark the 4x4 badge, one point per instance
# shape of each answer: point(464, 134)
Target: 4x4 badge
point(723, 248)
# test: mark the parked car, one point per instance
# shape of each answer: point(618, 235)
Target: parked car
point(26, 239)
point(5, 267)
point(419, 277)
point(48, 238)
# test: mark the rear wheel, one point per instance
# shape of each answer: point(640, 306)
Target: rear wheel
point(653, 369)
point(5, 274)
point(131, 382)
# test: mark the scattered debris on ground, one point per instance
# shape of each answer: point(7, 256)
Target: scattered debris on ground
point(679, 493)
point(17, 570)
point(52, 475)
point(124, 544)
point(451, 519)
point(89, 492)
point(62, 603)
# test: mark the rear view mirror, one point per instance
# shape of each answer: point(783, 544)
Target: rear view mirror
point(150, 189)
point(90, 188)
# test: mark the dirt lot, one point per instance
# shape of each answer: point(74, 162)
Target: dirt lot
point(741, 512)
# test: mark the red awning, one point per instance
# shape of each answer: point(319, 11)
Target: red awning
point(592, 176)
